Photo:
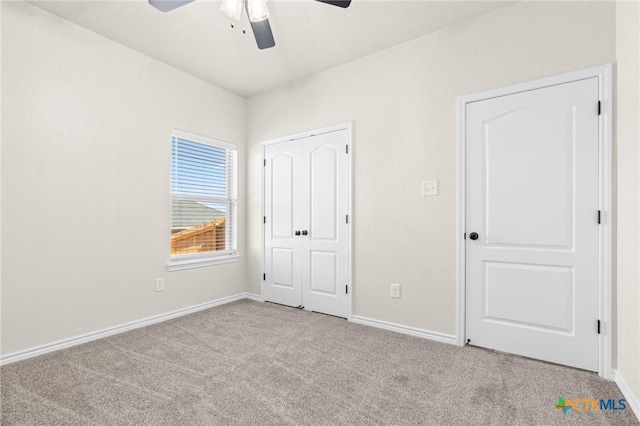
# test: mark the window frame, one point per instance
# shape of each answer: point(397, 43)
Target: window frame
point(195, 260)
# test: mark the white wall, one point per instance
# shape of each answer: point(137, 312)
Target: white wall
point(85, 173)
point(628, 178)
point(403, 104)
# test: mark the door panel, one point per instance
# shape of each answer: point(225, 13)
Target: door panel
point(323, 163)
point(549, 307)
point(325, 200)
point(324, 272)
point(516, 150)
point(282, 196)
point(282, 257)
point(282, 267)
point(532, 196)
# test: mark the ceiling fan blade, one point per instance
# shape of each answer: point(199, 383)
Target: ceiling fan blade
point(338, 3)
point(262, 33)
point(168, 5)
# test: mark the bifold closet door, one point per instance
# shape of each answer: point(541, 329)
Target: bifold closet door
point(306, 230)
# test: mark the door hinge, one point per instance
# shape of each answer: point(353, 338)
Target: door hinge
point(347, 148)
point(347, 218)
point(346, 289)
point(598, 326)
point(265, 162)
point(599, 217)
point(465, 235)
point(599, 107)
point(264, 219)
point(264, 277)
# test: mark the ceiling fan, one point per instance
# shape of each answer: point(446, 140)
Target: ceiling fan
point(256, 10)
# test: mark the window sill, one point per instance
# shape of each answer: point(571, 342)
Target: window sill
point(180, 264)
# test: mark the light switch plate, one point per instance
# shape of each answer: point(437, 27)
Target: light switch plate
point(429, 188)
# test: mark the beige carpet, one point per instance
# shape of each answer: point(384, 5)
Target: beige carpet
point(259, 363)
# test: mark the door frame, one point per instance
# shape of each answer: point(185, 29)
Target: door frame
point(605, 172)
point(348, 126)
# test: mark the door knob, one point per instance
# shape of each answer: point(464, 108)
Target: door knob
point(304, 232)
point(473, 236)
point(297, 232)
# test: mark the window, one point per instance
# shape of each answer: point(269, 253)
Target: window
point(203, 201)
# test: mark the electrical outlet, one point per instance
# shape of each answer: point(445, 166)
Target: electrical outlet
point(159, 284)
point(395, 291)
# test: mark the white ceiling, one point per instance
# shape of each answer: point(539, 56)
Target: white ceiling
point(310, 36)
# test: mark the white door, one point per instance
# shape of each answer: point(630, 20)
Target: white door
point(283, 209)
point(532, 206)
point(306, 240)
point(325, 249)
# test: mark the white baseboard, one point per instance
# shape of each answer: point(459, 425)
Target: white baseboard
point(412, 331)
point(84, 338)
point(629, 395)
point(254, 297)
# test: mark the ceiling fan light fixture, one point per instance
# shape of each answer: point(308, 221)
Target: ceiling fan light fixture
point(232, 8)
point(257, 10)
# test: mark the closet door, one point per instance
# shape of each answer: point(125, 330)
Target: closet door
point(306, 233)
point(282, 247)
point(325, 247)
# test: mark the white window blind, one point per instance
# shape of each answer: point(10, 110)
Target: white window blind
point(203, 197)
